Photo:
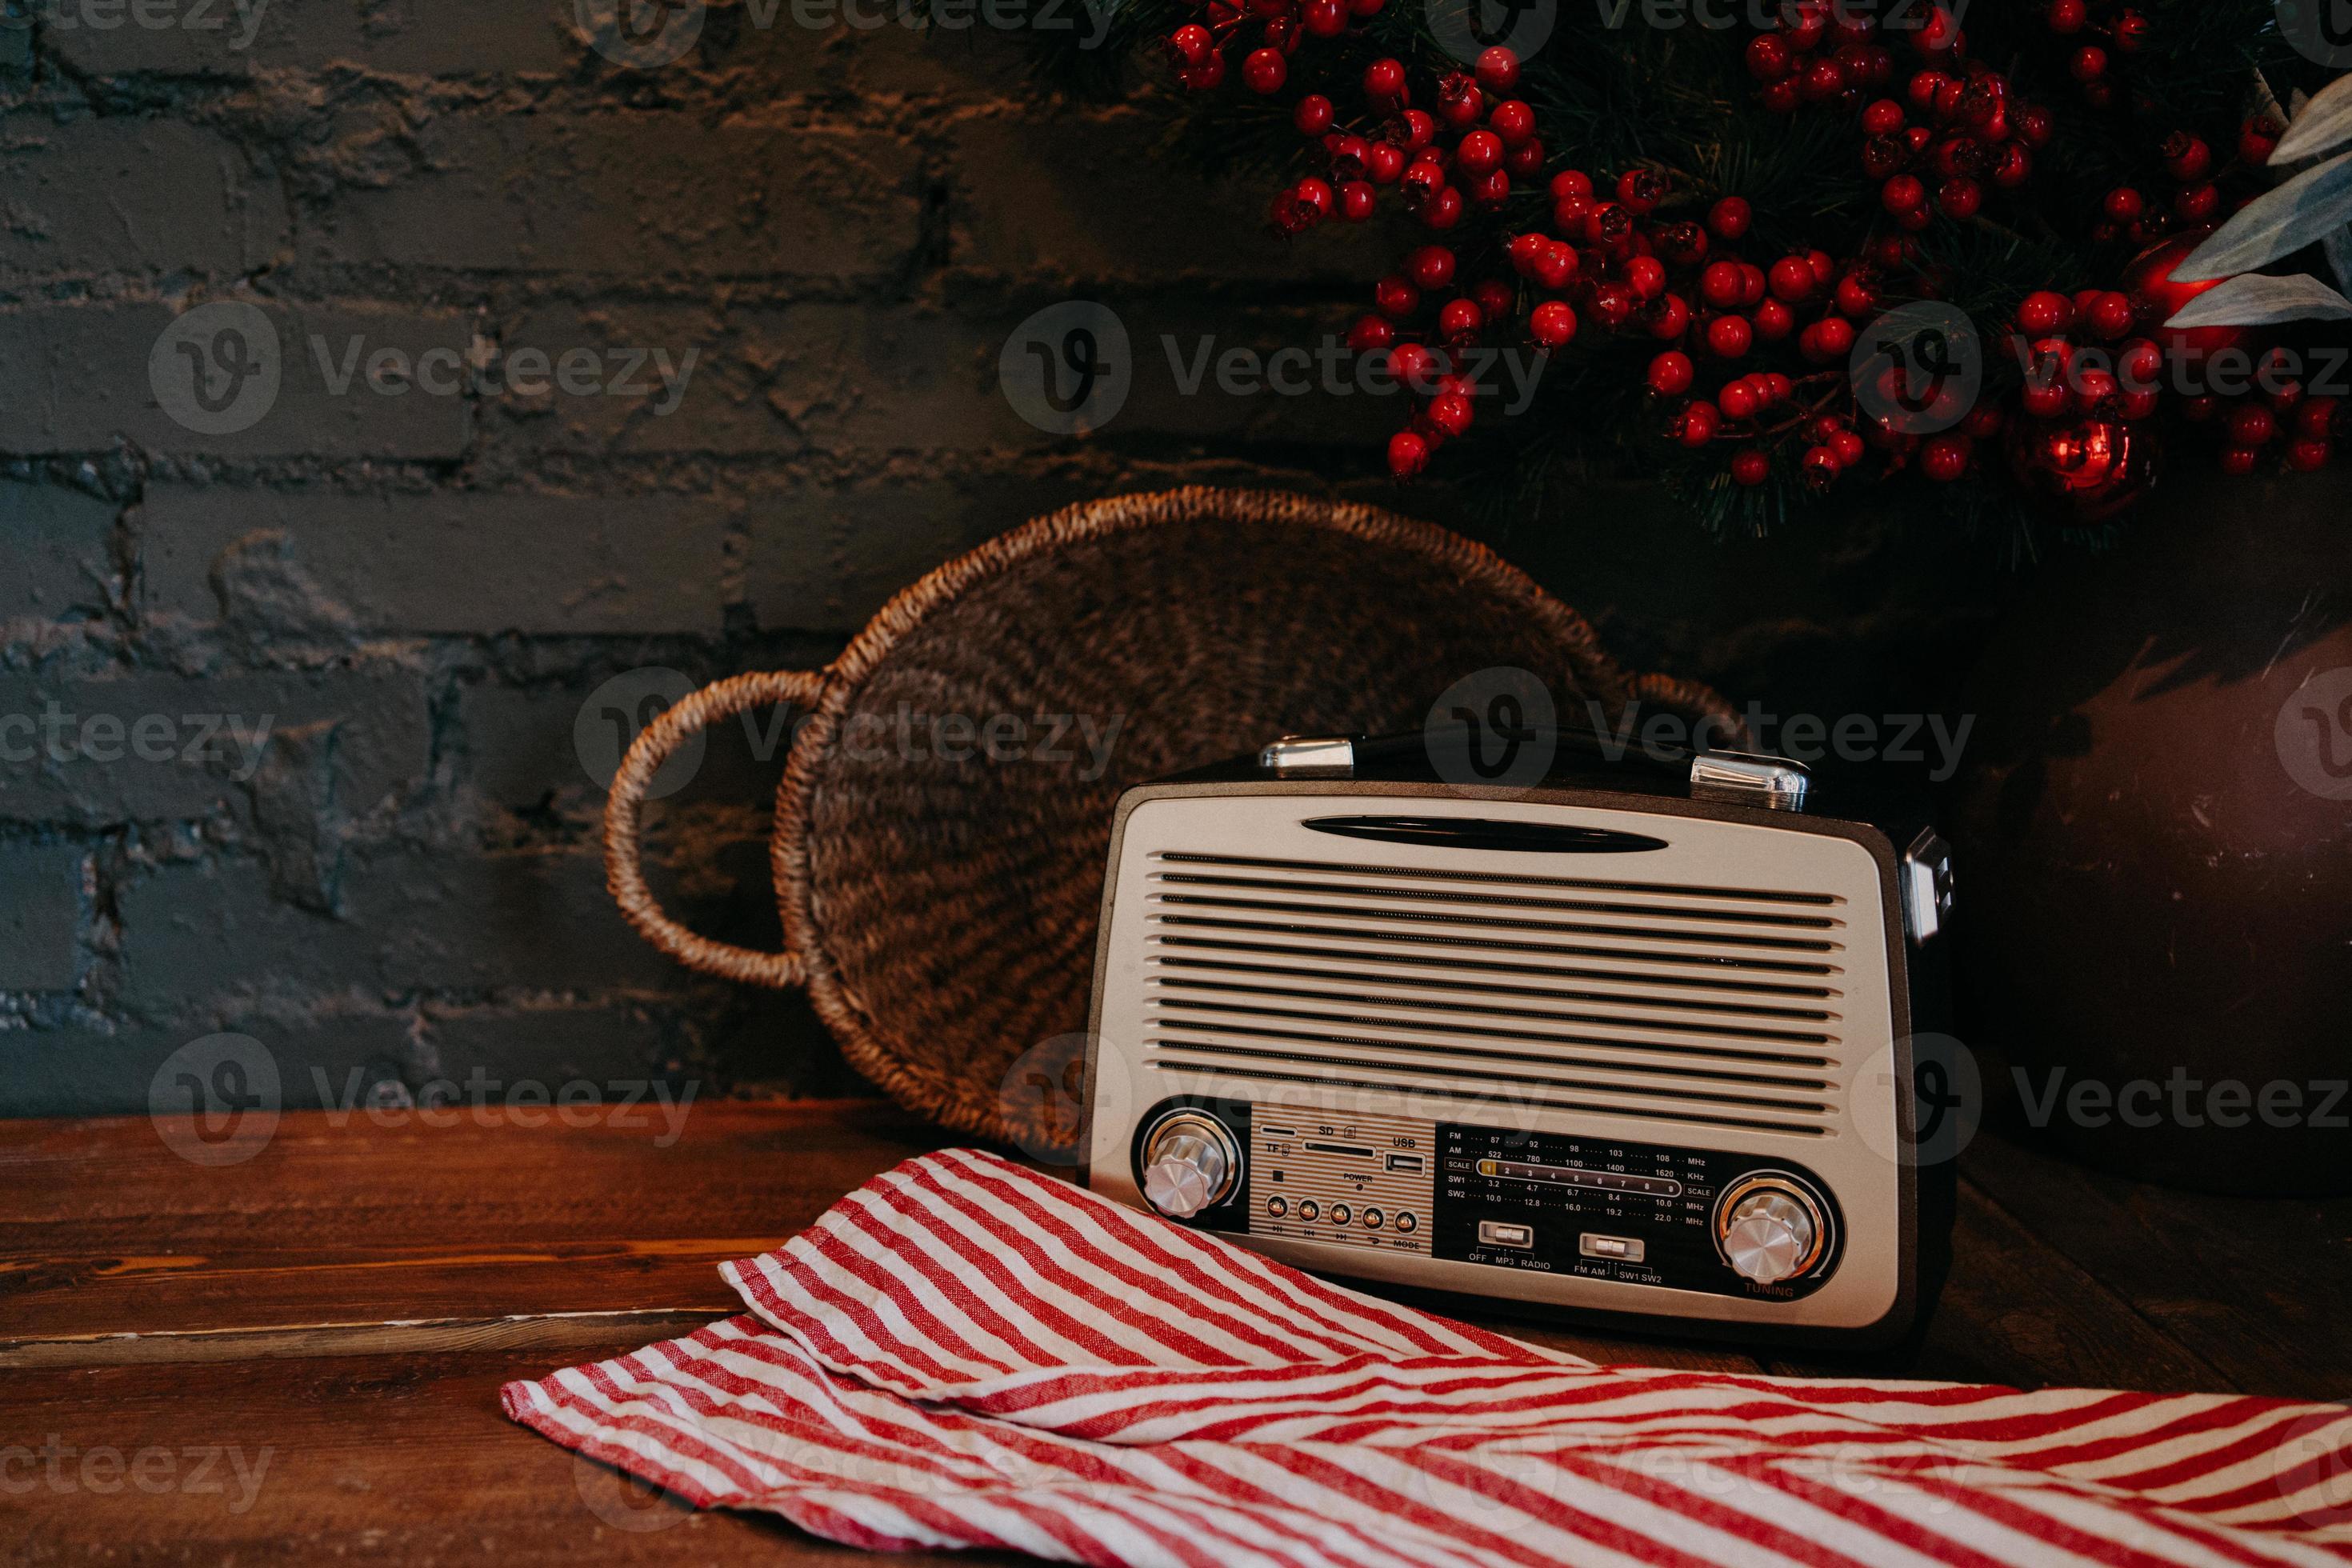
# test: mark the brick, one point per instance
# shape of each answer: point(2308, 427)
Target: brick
point(670, 378)
point(1095, 203)
point(144, 726)
point(545, 564)
point(214, 38)
point(638, 195)
point(40, 917)
point(538, 919)
point(87, 1070)
point(82, 379)
point(881, 380)
point(120, 195)
point(822, 559)
point(58, 545)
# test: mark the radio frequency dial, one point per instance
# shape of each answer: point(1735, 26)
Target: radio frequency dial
point(1190, 1163)
point(1770, 1229)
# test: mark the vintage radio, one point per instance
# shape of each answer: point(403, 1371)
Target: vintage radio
point(1632, 1042)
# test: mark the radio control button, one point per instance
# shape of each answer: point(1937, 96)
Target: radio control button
point(1769, 1235)
point(1407, 1222)
point(1191, 1163)
point(1341, 1214)
point(1494, 1233)
point(1374, 1219)
point(1309, 1209)
point(1277, 1207)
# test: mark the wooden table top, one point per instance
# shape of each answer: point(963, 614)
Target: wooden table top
point(298, 1354)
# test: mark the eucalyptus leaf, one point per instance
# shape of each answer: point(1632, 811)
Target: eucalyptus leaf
point(2279, 223)
point(2322, 126)
point(2258, 300)
point(2340, 256)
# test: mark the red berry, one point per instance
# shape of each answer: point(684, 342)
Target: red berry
point(1264, 70)
point(1443, 210)
point(1826, 341)
point(2307, 456)
point(1774, 320)
point(1820, 467)
point(1395, 297)
point(1513, 121)
point(1315, 195)
point(1639, 190)
point(2139, 364)
point(1856, 298)
point(1792, 279)
point(1821, 80)
point(1526, 158)
point(1751, 468)
point(1498, 69)
point(1697, 423)
point(1668, 316)
point(1450, 413)
point(1557, 266)
point(1205, 77)
point(1372, 333)
point(2093, 386)
point(1730, 337)
point(2110, 316)
point(1384, 161)
point(1960, 198)
point(2131, 31)
point(1904, 194)
point(1722, 285)
point(1552, 324)
point(1646, 276)
point(2123, 204)
point(1739, 400)
point(2045, 314)
point(1671, 373)
point(2239, 459)
point(2046, 399)
point(1384, 81)
point(1313, 115)
point(1408, 453)
point(2316, 418)
point(2087, 64)
point(1325, 18)
point(1356, 199)
point(2251, 424)
point(1495, 298)
point(1431, 267)
point(1848, 448)
point(2256, 143)
point(1572, 182)
point(1191, 43)
point(1768, 57)
point(1414, 365)
point(1730, 217)
point(1944, 457)
point(1779, 387)
point(2013, 168)
point(1480, 151)
point(1780, 97)
point(1884, 118)
point(2187, 158)
point(2197, 204)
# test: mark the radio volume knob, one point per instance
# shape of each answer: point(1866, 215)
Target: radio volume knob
point(1769, 1235)
point(1190, 1163)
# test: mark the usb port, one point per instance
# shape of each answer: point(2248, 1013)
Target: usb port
point(1405, 1162)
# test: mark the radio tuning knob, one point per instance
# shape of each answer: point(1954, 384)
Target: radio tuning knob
point(1190, 1163)
point(1769, 1235)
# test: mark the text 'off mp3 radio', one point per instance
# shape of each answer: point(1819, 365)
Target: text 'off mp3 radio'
point(1633, 1042)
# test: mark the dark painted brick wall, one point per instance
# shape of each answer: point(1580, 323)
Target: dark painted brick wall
point(329, 661)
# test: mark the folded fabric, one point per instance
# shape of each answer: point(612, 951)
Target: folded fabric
point(967, 1353)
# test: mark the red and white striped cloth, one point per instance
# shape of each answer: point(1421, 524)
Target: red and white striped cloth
point(966, 1353)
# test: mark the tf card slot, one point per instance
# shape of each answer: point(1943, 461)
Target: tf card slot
point(1357, 1149)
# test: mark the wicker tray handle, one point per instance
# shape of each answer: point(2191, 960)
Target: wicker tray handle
point(625, 875)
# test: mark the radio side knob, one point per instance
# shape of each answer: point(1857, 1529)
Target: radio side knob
point(1189, 1163)
point(1769, 1235)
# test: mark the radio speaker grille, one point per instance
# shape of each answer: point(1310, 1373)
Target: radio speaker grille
point(1711, 1005)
